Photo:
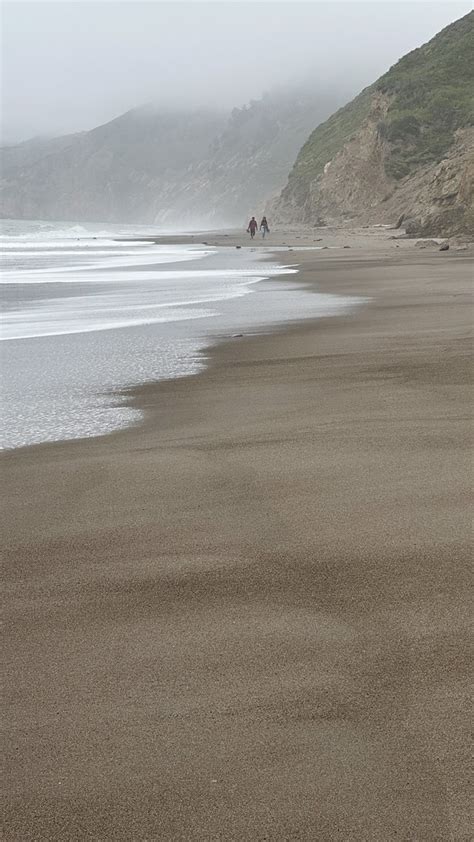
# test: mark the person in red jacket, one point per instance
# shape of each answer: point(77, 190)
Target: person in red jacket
point(252, 227)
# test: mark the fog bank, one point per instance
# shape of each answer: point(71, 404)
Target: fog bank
point(71, 66)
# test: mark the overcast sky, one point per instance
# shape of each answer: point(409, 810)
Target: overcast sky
point(68, 66)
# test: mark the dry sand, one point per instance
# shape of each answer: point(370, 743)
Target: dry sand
point(247, 619)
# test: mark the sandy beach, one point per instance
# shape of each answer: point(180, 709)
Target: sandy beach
point(247, 618)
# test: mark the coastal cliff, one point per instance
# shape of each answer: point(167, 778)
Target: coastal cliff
point(402, 148)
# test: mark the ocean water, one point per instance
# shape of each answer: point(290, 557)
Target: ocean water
point(85, 314)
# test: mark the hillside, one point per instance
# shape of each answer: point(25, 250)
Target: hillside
point(249, 161)
point(170, 168)
point(112, 173)
point(30, 151)
point(373, 157)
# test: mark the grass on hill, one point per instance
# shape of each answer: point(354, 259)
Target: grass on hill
point(431, 93)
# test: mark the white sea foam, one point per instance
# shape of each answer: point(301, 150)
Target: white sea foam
point(35, 230)
point(51, 246)
point(58, 264)
point(84, 319)
point(153, 301)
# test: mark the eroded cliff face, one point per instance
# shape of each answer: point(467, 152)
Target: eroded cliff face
point(436, 200)
point(355, 180)
point(351, 183)
point(402, 147)
point(439, 199)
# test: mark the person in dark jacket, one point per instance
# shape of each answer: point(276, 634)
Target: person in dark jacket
point(252, 227)
point(264, 227)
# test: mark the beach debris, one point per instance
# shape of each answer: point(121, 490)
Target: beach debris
point(444, 247)
point(346, 247)
point(424, 244)
point(461, 248)
point(238, 247)
point(237, 335)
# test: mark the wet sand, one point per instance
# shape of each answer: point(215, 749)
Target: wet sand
point(247, 619)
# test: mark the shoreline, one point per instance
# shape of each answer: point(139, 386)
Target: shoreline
point(247, 618)
point(210, 337)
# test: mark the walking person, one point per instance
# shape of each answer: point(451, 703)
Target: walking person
point(264, 227)
point(252, 227)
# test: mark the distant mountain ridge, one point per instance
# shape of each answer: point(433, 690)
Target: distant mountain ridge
point(404, 146)
point(29, 152)
point(164, 167)
point(111, 173)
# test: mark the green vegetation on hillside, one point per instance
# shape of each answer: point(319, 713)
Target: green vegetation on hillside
point(431, 94)
point(328, 139)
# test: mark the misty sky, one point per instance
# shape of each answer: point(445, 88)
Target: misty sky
point(71, 66)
